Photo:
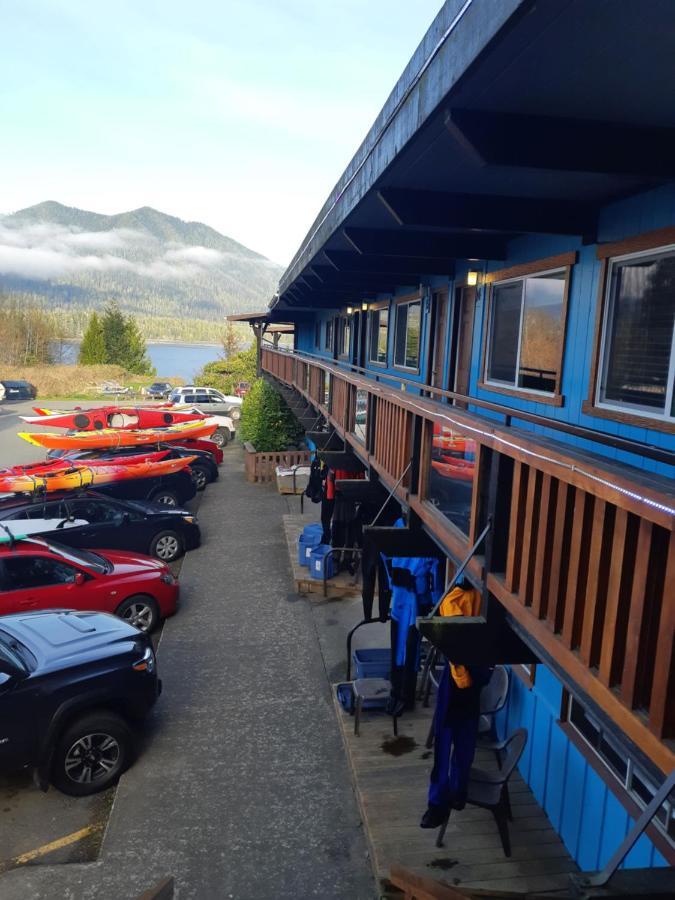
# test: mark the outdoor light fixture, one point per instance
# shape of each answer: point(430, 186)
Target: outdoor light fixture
point(472, 278)
point(350, 310)
point(364, 306)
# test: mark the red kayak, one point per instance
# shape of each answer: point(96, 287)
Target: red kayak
point(111, 417)
point(49, 466)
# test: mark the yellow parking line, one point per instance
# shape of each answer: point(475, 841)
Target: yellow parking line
point(50, 847)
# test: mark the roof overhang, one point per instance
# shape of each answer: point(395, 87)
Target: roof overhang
point(511, 118)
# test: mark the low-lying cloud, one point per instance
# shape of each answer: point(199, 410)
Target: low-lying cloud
point(45, 251)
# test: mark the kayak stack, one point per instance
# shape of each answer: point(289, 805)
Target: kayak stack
point(108, 428)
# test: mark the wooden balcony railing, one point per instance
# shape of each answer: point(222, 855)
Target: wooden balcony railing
point(584, 555)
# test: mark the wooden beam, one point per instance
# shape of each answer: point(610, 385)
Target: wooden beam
point(568, 145)
point(401, 541)
point(487, 212)
point(428, 244)
point(473, 641)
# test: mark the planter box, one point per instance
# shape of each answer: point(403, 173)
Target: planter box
point(262, 467)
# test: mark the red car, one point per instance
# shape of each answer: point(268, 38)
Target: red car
point(38, 574)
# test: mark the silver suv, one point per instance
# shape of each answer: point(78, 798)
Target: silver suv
point(208, 400)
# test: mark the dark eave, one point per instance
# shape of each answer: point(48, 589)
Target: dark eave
point(491, 133)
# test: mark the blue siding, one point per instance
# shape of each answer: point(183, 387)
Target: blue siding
point(652, 209)
point(581, 807)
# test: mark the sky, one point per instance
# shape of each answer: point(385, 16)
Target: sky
point(242, 115)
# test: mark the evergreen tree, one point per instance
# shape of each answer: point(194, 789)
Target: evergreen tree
point(124, 345)
point(92, 348)
point(136, 360)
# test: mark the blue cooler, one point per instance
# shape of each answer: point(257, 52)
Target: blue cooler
point(321, 562)
point(306, 543)
point(372, 662)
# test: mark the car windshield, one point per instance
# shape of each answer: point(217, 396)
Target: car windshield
point(82, 557)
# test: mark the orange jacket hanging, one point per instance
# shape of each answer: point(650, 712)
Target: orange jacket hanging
point(460, 602)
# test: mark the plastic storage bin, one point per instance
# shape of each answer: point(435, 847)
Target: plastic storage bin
point(372, 662)
point(321, 563)
point(307, 543)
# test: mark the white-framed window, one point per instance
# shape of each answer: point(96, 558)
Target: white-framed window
point(526, 331)
point(636, 371)
point(407, 333)
point(621, 763)
point(379, 336)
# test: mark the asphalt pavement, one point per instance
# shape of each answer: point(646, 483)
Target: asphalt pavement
point(242, 789)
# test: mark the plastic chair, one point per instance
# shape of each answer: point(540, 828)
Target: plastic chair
point(493, 699)
point(490, 790)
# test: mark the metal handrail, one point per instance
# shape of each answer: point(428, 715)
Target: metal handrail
point(590, 434)
point(600, 879)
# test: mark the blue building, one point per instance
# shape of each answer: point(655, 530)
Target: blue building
point(484, 316)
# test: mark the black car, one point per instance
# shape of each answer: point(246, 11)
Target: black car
point(17, 390)
point(159, 390)
point(90, 520)
point(204, 469)
point(71, 686)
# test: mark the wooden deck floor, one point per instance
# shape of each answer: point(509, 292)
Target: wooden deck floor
point(341, 585)
point(391, 777)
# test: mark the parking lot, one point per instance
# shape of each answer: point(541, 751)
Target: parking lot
point(37, 827)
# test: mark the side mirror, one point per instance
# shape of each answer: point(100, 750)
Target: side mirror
point(9, 672)
point(126, 518)
point(79, 578)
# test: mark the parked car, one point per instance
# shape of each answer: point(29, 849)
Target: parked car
point(159, 390)
point(72, 687)
point(242, 388)
point(89, 520)
point(204, 468)
point(213, 401)
point(42, 574)
point(18, 390)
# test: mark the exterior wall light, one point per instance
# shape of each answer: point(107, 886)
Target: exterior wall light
point(364, 306)
point(472, 278)
point(350, 310)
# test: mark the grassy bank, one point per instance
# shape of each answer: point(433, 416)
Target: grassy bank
point(76, 382)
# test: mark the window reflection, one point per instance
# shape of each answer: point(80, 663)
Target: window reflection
point(361, 417)
point(450, 482)
point(526, 331)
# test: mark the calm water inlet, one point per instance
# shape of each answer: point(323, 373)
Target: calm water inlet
point(170, 360)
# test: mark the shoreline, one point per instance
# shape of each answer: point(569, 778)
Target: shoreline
point(78, 340)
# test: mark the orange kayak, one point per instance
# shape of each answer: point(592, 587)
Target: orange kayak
point(461, 469)
point(116, 437)
point(73, 475)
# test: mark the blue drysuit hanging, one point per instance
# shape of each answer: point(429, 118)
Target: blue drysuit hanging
point(415, 583)
point(455, 733)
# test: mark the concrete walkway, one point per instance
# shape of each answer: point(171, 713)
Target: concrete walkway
point(243, 790)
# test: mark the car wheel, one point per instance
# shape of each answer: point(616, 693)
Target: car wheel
point(235, 413)
point(201, 476)
point(165, 497)
point(141, 611)
point(220, 437)
point(92, 754)
point(166, 545)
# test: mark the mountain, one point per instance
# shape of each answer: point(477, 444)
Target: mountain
point(153, 264)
